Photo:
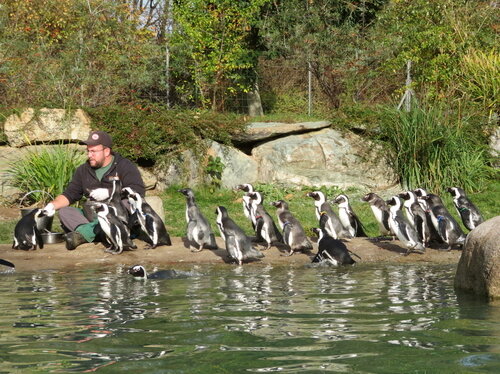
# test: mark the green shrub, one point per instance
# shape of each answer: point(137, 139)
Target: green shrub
point(45, 169)
point(433, 151)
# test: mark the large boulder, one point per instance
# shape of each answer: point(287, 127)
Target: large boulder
point(478, 269)
point(46, 125)
point(260, 131)
point(323, 158)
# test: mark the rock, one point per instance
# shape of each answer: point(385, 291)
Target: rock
point(323, 158)
point(259, 131)
point(149, 178)
point(183, 170)
point(46, 125)
point(157, 205)
point(238, 167)
point(494, 141)
point(478, 269)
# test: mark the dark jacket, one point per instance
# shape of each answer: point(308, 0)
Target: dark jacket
point(85, 180)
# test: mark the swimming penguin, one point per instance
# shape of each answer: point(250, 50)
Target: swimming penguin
point(265, 228)
point(198, 228)
point(444, 223)
point(471, 217)
point(404, 231)
point(349, 219)
point(139, 272)
point(330, 250)
point(416, 216)
point(117, 233)
point(27, 236)
point(380, 211)
point(333, 225)
point(247, 204)
point(294, 235)
point(6, 267)
point(238, 245)
point(151, 226)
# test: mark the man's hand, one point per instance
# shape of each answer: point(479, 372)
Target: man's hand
point(99, 194)
point(49, 209)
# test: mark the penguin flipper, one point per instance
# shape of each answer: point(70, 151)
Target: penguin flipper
point(259, 223)
point(442, 228)
point(39, 239)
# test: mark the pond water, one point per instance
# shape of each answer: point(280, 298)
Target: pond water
point(249, 319)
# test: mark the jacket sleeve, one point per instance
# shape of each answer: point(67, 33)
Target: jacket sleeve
point(131, 177)
point(74, 190)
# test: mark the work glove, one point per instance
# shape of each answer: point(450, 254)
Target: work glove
point(99, 194)
point(49, 209)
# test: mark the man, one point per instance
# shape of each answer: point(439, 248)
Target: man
point(93, 179)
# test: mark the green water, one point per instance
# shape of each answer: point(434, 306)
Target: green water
point(250, 319)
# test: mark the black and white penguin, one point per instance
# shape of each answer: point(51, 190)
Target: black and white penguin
point(247, 204)
point(139, 272)
point(380, 211)
point(404, 231)
point(471, 216)
point(265, 228)
point(331, 251)
point(151, 226)
point(435, 238)
point(117, 233)
point(6, 267)
point(115, 199)
point(332, 225)
point(27, 236)
point(198, 228)
point(349, 219)
point(416, 216)
point(294, 235)
point(444, 223)
point(238, 245)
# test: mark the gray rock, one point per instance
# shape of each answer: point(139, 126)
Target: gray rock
point(259, 131)
point(184, 169)
point(323, 158)
point(149, 178)
point(238, 167)
point(46, 125)
point(478, 269)
point(494, 141)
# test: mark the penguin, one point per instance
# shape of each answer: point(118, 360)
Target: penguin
point(444, 223)
point(404, 231)
point(265, 228)
point(247, 204)
point(238, 245)
point(6, 267)
point(330, 250)
point(333, 225)
point(434, 236)
point(294, 235)
point(116, 231)
point(198, 228)
point(27, 236)
point(471, 216)
point(144, 218)
point(349, 219)
point(115, 199)
point(139, 272)
point(416, 216)
point(380, 211)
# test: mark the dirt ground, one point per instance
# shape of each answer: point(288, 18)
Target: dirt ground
point(56, 256)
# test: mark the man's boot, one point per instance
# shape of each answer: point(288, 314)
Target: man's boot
point(74, 239)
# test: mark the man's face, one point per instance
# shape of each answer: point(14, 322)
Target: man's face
point(97, 155)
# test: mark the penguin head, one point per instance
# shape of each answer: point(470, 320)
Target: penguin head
point(247, 187)
point(420, 192)
point(432, 200)
point(318, 232)
point(39, 213)
point(280, 204)
point(317, 196)
point(456, 192)
point(138, 271)
point(408, 196)
point(188, 192)
point(342, 200)
point(256, 196)
point(394, 202)
point(126, 192)
point(101, 208)
point(221, 212)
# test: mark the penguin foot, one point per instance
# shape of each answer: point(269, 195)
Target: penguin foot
point(194, 249)
point(287, 254)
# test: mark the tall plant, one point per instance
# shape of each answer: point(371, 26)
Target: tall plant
point(432, 151)
point(46, 169)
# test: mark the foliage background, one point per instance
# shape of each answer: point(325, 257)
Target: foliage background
point(162, 74)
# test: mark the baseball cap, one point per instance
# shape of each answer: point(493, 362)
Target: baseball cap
point(99, 137)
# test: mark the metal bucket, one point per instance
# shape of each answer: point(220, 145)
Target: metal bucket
point(52, 237)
